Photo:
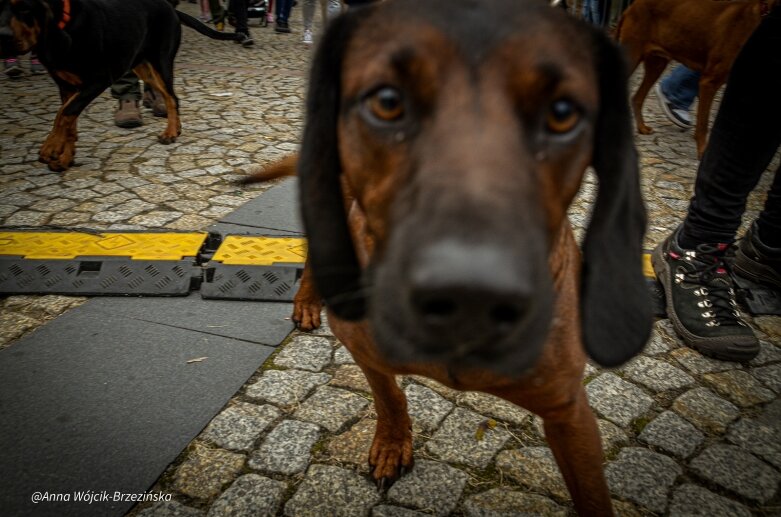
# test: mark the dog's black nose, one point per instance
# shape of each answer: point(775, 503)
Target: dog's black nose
point(468, 298)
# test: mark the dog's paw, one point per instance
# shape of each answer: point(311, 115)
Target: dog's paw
point(166, 138)
point(390, 457)
point(306, 314)
point(57, 154)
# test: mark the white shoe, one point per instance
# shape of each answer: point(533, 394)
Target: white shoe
point(677, 116)
point(307, 37)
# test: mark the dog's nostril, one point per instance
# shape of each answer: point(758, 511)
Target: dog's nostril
point(438, 309)
point(505, 314)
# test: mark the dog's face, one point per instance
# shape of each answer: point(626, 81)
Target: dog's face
point(463, 132)
point(21, 23)
point(464, 146)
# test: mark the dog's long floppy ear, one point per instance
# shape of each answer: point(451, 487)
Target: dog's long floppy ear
point(615, 301)
point(332, 257)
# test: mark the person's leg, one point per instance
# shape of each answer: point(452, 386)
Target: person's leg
point(239, 10)
point(12, 67)
point(691, 263)
point(217, 14)
point(591, 11)
point(128, 92)
point(758, 256)
point(769, 221)
point(308, 13)
point(35, 65)
point(676, 93)
point(681, 87)
point(283, 14)
point(744, 138)
point(334, 9)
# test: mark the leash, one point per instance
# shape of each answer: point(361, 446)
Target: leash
point(66, 14)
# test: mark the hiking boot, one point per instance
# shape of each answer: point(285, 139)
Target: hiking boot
point(156, 103)
point(677, 116)
point(701, 300)
point(756, 261)
point(308, 37)
point(245, 39)
point(36, 67)
point(12, 68)
point(128, 115)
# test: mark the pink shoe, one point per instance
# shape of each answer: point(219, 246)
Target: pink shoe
point(270, 18)
point(36, 67)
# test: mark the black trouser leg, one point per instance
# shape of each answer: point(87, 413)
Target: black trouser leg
point(239, 10)
point(744, 138)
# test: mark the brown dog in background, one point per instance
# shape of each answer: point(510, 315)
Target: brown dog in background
point(704, 35)
point(440, 154)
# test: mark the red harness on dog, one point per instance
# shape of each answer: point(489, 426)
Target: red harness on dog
point(66, 14)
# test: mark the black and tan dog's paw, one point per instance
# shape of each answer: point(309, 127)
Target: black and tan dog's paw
point(390, 457)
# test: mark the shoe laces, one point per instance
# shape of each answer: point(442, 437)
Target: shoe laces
point(709, 274)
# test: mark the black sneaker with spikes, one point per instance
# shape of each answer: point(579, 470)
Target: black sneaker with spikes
point(701, 300)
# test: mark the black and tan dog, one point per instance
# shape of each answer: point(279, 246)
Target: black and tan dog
point(87, 44)
point(456, 139)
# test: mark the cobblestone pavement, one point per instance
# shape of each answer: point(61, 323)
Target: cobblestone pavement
point(683, 434)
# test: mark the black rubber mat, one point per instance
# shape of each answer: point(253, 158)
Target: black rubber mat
point(267, 323)
point(277, 209)
point(98, 276)
point(101, 402)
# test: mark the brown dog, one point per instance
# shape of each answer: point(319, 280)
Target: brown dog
point(457, 138)
point(704, 35)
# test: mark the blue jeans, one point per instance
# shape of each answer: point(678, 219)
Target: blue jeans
point(681, 87)
point(596, 12)
point(283, 9)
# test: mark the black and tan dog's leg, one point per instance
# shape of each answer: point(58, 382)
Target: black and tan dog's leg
point(390, 455)
point(59, 149)
point(307, 303)
point(573, 436)
point(164, 87)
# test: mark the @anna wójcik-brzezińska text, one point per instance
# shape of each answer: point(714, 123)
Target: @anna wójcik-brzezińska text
point(99, 496)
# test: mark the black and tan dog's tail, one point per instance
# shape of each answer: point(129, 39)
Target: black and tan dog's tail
point(285, 167)
point(195, 23)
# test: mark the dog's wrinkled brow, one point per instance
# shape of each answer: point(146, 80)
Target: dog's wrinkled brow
point(548, 75)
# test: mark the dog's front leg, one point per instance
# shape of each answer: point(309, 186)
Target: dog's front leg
point(391, 452)
point(573, 435)
point(307, 303)
point(59, 148)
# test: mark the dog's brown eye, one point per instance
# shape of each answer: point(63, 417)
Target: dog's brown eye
point(562, 116)
point(386, 104)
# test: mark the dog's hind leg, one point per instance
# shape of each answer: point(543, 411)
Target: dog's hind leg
point(162, 81)
point(654, 66)
point(708, 88)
